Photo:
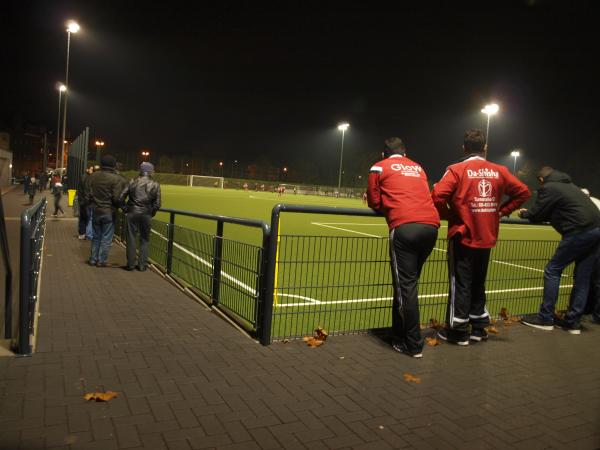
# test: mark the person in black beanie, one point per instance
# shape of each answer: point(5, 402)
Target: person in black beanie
point(143, 201)
point(102, 195)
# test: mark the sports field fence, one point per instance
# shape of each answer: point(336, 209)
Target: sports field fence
point(287, 285)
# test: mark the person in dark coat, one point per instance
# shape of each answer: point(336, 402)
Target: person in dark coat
point(57, 193)
point(577, 219)
point(32, 189)
point(103, 196)
point(143, 201)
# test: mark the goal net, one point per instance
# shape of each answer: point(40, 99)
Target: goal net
point(299, 189)
point(206, 181)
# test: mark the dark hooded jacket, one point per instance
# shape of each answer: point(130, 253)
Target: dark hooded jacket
point(142, 194)
point(561, 203)
point(103, 189)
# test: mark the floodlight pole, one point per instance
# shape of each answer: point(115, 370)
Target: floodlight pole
point(342, 127)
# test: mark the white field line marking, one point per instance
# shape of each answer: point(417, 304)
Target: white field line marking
point(378, 299)
point(301, 297)
point(344, 229)
point(208, 264)
point(503, 227)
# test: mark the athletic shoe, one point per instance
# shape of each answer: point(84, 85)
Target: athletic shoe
point(141, 269)
point(570, 328)
point(81, 237)
point(478, 335)
point(445, 336)
point(533, 320)
point(400, 348)
point(127, 268)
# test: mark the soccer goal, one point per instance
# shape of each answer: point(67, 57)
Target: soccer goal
point(300, 189)
point(206, 181)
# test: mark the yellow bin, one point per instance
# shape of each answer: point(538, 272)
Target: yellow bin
point(72, 193)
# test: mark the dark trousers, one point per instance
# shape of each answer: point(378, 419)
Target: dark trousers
point(57, 206)
point(410, 245)
point(84, 218)
point(138, 223)
point(467, 270)
point(593, 301)
point(582, 249)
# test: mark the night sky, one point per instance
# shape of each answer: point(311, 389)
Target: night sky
point(258, 83)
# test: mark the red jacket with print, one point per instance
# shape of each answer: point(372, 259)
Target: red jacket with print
point(469, 196)
point(398, 188)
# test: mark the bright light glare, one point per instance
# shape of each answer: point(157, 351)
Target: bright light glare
point(72, 26)
point(490, 109)
point(100, 143)
point(221, 163)
point(62, 88)
point(343, 126)
point(515, 153)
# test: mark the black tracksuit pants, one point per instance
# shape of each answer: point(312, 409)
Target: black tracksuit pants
point(467, 270)
point(410, 245)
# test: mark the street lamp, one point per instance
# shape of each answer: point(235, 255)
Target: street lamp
point(72, 27)
point(221, 167)
point(515, 154)
point(99, 144)
point(342, 127)
point(490, 110)
point(145, 154)
point(61, 88)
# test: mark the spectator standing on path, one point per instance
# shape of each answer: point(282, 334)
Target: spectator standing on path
point(143, 201)
point(57, 193)
point(31, 189)
point(26, 183)
point(469, 196)
point(398, 189)
point(82, 201)
point(103, 196)
point(593, 301)
point(576, 218)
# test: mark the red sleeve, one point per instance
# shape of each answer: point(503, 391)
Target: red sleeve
point(373, 192)
point(442, 192)
point(517, 192)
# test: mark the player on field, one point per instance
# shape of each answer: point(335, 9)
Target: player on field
point(469, 196)
point(398, 189)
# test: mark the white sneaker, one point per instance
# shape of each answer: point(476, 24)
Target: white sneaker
point(81, 237)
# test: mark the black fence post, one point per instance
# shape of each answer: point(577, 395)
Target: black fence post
point(8, 276)
point(262, 272)
point(266, 316)
point(170, 235)
point(217, 258)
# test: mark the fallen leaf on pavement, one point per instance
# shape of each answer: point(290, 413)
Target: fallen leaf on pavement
point(492, 330)
point(503, 313)
point(432, 341)
point(101, 396)
point(435, 324)
point(411, 378)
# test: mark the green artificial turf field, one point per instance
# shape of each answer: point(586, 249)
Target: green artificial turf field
point(333, 270)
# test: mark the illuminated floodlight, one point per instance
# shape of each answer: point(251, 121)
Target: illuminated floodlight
point(72, 26)
point(515, 153)
point(490, 109)
point(343, 126)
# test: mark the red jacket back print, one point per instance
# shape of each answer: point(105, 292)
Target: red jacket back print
point(469, 196)
point(398, 188)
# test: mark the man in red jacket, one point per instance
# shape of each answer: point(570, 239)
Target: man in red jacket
point(398, 188)
point(468, 196)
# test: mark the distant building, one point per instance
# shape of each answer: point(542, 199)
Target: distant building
point(6, 160)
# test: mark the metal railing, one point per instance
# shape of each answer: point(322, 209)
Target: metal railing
point(344, 283)
point(228, 274)
point(33, 226)
point(290, 284)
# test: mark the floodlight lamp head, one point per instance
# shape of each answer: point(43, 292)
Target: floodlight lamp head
point(515, 153)
point(62, 88)
point(72, 26)
point(490, 109)
point(343, 126)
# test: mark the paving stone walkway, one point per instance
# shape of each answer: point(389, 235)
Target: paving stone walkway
point(188, 380)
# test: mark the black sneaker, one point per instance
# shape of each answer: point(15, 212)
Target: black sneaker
point(400, 348)
point(127, 268)
point(445, 336)
point(570, 328)
point(533, 320)
point(478, 335)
